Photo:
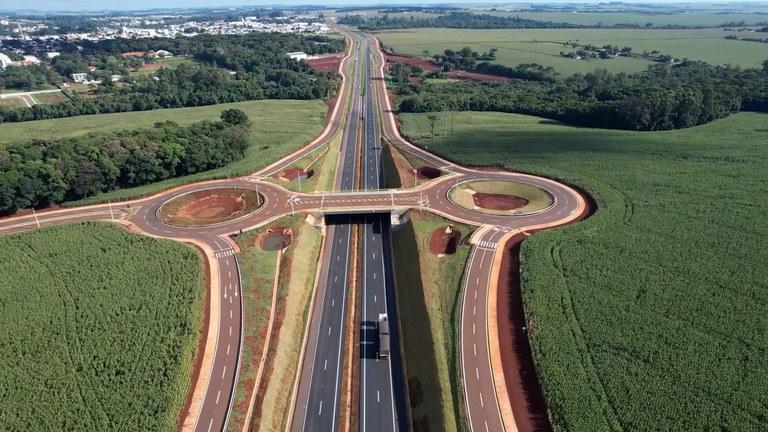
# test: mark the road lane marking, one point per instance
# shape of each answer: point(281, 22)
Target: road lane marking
point(477, 373)
point(228, 346)
point(473, 328)
point(218, 395)
point(474, 348)
point(230, 330)
point(482, 403)
point(210, 425)
point(325, 364)
point(320, 411)
point(223, 371)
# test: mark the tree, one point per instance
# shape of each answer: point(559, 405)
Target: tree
point(765, 68)
point(234, 116)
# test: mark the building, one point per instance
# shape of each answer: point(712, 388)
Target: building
point(29, 60)
point(5, 61)
point(52, 55)
point(80, 77)
point(298, 55)
point(163, 53)
point(115, 78)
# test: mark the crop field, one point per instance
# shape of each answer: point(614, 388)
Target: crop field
point(99, 329)
point(543, 46)
point(651, 314)
point(692, 19)
point(278, 128)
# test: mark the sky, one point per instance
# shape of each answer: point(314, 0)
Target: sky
point(75, 5)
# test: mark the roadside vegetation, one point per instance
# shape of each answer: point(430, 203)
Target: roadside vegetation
point(663, 97)
point(41, 173)
point(650, 314)
point(276, 129)
point(98, 325)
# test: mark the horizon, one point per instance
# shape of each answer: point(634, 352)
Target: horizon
point(50, 6)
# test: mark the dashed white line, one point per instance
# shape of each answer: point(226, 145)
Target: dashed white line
point(218, 395)
point(482, 403)
point(320, 411)
point(223, 371)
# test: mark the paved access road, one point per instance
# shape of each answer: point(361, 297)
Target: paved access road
point(317, 396)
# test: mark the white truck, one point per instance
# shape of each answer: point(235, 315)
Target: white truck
point(383, 326)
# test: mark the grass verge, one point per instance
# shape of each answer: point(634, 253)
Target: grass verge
point(429, 290)
point(650, 314)
point(99, 326)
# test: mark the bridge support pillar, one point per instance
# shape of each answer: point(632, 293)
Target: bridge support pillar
point(398, 217)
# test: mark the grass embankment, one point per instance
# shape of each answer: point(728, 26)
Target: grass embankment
point(294, 290)
point(428, 294)
point(278, 128)
point(543, 46)
point(99, 329)
point(650, 314)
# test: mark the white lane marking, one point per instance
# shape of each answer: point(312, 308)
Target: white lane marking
point(230, 300)
point(218, 395)
point(228, 347)
point(223, 371)
point(477, 281)
point(230, 314)
point(320, 411)
point(329, 330)
point(374, 275)
point(374, 255)
point(230, 330)
point(333, 302)
point(473, 328)
point(325, 365)
point(474, 349)
point(210, 425)
point(475, 294)
point(477, 373)
point(474, 309)
point(486, 425)
point(336, 278)
point(374, 298)
point(378, 396)
point(482, 403)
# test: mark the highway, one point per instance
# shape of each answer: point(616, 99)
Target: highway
point(319, 392)
point(382, 402)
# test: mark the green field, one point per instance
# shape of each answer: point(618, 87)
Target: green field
point(650, 315)
point(99, 329)
point(278, 128)
point(693, 19)
point(543, 46)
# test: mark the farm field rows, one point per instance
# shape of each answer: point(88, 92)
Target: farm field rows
point(692, 19)
point(543, 46)
point(98, 324)
point(650, 315)
point(278, 128)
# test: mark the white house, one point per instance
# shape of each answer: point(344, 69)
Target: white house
point(52, 55)
point(163, 54)
point(5, 61)
point(298, 55)
point(80, 77)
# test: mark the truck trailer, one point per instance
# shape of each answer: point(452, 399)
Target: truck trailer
point(383, 327)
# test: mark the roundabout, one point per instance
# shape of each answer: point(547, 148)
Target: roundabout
point(501, 197)
point(212, 206)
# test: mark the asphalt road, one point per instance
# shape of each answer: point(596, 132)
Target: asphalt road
point(382, 394)
point(319, 394)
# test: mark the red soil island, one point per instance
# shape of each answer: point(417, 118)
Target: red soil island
point(428, 172)
point(498, 201)
point(213, 207)
point(292, 174)
point(275, 239)
point(444, 241)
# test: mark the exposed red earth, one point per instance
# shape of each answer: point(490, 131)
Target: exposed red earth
point(291, 174)
point(444, 241)
point(327, 63)
point(428, 172)
point(492, 201)
point(275, 239)
point(475, 76)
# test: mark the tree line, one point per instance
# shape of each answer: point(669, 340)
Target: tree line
point(463, 20)
point(663, 97)
point(44, 172)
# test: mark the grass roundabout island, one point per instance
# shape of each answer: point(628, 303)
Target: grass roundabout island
point(500, 197)
point(210, 206)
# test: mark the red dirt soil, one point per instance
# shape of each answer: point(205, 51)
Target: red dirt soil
point(212, 207)
point(443, 243)
point(292, 174)
point(498, 201)
point(275, 239)
point(428, 172)
point(526, 398)
point(409, 60)
point(329, 63)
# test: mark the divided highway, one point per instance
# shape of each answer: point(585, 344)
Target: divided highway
point(319, 391)
point(382, 405)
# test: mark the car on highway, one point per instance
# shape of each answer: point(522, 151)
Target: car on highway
point(383, 326)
